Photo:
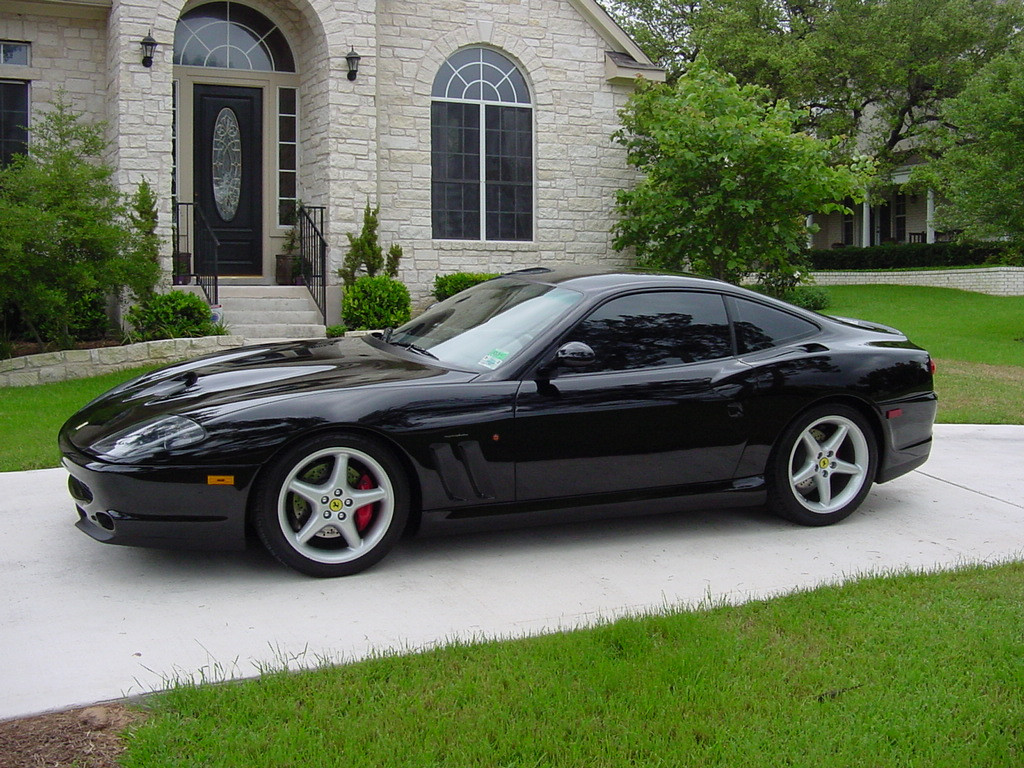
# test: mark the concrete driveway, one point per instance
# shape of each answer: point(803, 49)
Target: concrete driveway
point(82, 622)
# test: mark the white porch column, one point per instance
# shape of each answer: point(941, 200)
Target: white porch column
point(929, 235)
point(807, 223)
point(865, 222)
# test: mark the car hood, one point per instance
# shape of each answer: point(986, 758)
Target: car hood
point(228, 381)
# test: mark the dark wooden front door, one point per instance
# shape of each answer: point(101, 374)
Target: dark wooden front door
point(229, 173)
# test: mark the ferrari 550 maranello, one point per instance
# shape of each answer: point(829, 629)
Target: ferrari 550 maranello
point(539, 391)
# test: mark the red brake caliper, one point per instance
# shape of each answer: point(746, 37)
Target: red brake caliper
point(364, 514)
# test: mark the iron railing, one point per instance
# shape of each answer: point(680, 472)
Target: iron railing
point(313, 253)
point(194, 239)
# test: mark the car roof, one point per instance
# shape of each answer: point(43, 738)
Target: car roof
point(593, 279)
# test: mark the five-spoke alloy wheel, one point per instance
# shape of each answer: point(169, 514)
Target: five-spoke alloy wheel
point(333, 505)
point(823, 466)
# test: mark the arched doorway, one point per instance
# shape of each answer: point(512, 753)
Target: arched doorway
point(236, 130)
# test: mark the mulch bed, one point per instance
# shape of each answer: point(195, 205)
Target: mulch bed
point(77, 738)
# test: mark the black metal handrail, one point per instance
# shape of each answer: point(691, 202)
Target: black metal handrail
point(313, 253)
point(194, 237)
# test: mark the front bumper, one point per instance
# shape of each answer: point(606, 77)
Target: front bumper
point(193, 507)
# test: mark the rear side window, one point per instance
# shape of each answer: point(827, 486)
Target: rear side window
point(645, 330)
point(761, 327)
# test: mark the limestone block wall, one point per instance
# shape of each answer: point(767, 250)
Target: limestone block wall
point(577, 166)
point(80, 363)
point(68, 51)
point(997, 281)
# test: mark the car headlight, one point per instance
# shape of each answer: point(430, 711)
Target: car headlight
point(164, 434)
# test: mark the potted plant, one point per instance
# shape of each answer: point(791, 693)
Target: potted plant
point(287, 269)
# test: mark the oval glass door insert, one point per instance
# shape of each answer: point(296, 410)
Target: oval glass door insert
point(227, 163)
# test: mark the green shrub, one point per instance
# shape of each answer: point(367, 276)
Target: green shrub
point(171, 315)
point(334, 331)
point(909, 256)
point(376, 302)
point(365, 252)
point(86, 318)
point(448, 285)
point(809, 297)
point(66, 230)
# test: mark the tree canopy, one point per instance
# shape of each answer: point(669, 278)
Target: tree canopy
point(979, 167)
point(873, 71)
point(727, 179)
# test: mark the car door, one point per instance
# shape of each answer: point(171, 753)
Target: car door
point(653, 411)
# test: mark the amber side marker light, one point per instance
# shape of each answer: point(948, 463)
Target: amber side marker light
point(220, 479)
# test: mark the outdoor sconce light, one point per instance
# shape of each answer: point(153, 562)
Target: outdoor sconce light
point(148, 49)
point(353, 63)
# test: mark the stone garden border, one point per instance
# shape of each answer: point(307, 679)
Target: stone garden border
point(79, 363)
point(995, 281)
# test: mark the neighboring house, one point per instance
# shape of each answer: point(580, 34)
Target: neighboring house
point(481, 129)
point(892, 216)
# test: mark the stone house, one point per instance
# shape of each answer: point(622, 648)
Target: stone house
point(481, 128)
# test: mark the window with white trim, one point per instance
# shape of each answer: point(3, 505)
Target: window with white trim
point(481, 128)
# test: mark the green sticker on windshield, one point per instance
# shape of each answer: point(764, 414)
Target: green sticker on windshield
point(494, 358)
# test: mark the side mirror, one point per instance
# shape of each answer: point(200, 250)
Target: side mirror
point(572, 354)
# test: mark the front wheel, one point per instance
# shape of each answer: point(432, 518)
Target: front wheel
point(332, 506)
point(823, 466)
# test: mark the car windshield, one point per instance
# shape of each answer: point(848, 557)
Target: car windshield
point(484, 326)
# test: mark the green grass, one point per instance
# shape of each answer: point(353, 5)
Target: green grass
point(977, 342)
point(913, 670)
point(31, 416)
point(951, 324)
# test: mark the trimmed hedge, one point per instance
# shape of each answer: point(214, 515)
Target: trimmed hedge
point(446, 286)
point(909, 256)
point(171, 315)
point(375, 302)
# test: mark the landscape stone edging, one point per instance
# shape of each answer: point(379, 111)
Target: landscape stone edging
point(995, 281)
point(80, 363)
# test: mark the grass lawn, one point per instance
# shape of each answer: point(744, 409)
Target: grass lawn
point(951, 324)
point(921, 670)
point(31, 416)
point(977, 342)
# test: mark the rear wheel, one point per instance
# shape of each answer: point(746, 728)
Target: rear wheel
point(332, 505)
point(823, 466)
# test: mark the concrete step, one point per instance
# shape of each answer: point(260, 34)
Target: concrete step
point(278, 330)
point(271, 311)
point(263, 291)
point(267, 304)
point(271, 317)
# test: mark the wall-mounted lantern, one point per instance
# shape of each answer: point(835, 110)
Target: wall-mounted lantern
point(148, 49)
point(353, 63)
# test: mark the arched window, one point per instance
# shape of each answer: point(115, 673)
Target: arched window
point(481, 129)
point(231, 36)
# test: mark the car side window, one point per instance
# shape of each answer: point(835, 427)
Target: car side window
point(760, 327)
point(644, 330)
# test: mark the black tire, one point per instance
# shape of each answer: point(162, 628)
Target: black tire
point(332, 505)
point(822, 466)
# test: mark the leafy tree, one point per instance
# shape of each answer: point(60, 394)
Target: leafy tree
point(874, 71)
point(981, 169)
point(727, 180)
point(65, 232)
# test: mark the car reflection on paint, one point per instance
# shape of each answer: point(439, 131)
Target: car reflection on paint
point(539, 391)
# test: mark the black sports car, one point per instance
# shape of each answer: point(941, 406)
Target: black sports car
point(540, 390)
